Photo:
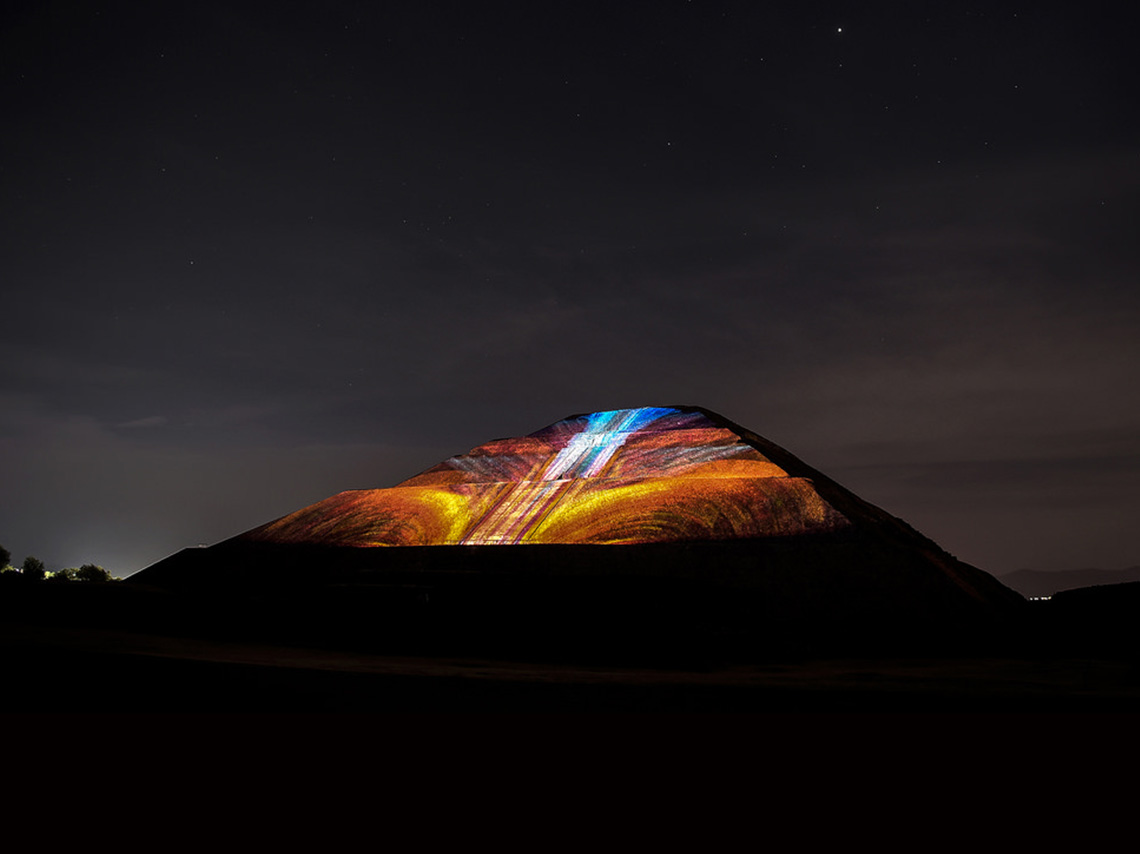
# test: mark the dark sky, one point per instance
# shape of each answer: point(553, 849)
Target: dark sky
point(253, 254)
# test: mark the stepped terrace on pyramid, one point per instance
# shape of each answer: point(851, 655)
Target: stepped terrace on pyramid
point(647, 475)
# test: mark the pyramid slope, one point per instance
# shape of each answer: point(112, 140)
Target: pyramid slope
point(647, 475)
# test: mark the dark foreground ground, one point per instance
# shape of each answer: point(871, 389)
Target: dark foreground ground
point(69, 670)
point(86, 648)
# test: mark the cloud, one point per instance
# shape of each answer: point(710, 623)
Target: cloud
point(143, 423)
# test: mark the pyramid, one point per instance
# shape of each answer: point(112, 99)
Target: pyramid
point(657, 527)
point(626, 476)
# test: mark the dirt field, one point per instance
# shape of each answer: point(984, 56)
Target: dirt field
point(52, 669)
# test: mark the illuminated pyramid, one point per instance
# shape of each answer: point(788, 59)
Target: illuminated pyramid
point(649, 475)
point(660, 528)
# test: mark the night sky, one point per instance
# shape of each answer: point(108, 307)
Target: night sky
point(254, 254)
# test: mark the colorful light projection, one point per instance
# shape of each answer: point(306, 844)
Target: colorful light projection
point(623, 476)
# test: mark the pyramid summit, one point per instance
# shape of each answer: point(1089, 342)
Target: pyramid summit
point(626, 476)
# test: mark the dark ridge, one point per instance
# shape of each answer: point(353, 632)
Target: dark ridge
point(1035, 582)
point(1092, 620)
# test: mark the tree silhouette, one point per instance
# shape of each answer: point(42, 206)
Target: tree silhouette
point(91, 572)
point(33, 568)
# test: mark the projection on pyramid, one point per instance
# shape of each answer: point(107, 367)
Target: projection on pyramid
point(625, 476)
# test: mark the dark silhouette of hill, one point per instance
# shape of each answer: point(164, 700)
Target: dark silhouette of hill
point(1093, 621)
point(1036, 582)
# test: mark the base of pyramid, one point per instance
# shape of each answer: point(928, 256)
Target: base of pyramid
point(817, 595)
